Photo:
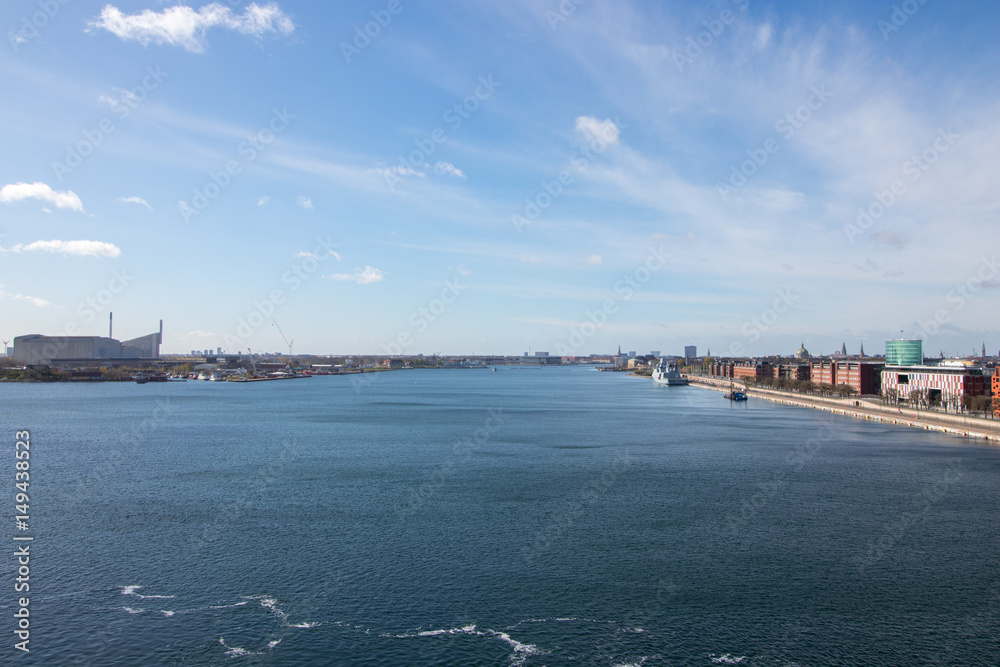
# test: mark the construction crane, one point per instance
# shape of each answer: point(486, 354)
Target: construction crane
point(253, 362)
point(287, 342)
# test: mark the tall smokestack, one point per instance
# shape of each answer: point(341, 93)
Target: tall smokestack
point(161, 332)
point(111, 318)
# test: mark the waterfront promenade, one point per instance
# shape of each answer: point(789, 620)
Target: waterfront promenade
point(961, 425)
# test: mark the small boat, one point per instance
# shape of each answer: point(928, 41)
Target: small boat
point(666, 373)
point(734, 394)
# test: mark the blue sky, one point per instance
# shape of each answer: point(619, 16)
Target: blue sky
point(505, 176)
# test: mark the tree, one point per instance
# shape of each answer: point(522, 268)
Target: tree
point(981, 403)
point(846, 390)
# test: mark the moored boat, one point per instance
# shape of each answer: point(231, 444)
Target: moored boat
point(666, 373)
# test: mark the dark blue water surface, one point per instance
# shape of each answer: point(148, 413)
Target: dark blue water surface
point(531, 516)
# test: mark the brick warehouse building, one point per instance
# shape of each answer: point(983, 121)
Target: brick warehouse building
point(752, 370)
point(791, 372)
point(864, 376)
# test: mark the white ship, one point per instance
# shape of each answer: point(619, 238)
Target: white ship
point(666, 373)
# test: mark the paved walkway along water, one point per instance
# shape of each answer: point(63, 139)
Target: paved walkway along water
point(962, 425)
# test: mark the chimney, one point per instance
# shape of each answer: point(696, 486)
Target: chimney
point(111, 318)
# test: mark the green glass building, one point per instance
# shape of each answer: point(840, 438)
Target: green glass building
point(904, 352)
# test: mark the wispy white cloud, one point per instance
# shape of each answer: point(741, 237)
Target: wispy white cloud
point(307, 253)
point(447, 168)
point(364, 276)
point(262, 200)
point(592, 128)
point(197, 333)
point(186, 27)
point(399, 170)
point(306, 203)
point(14, 192)
point(462, 271)
point(594, 259)
point(135, 200)
point(33, 300)
point(83, 248)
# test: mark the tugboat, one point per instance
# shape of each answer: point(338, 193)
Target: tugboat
point(666, 373)
point(735, 395)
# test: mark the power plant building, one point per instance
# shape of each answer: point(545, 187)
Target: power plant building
point(39, 350)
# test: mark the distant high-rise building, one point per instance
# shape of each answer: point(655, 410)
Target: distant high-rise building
point(690, 352)
point(218, 350)
point(631, 354)
point(903, 352)
point(654, 353)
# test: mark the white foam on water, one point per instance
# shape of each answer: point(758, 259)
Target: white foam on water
point(227, 606)
point(236, 651)
point(166, 613)
point(271, 604)
point(134, 611)
point(131, 590)
point(642, 661)
point(521, 651)
point(272, 644)
point(727, 659)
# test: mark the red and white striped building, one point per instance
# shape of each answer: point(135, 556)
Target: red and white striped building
point(946, 384)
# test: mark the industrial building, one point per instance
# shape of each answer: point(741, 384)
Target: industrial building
point(39, 350)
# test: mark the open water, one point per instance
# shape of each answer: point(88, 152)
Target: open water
point(531, 516)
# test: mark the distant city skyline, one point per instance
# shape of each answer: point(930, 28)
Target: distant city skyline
point(452, 178)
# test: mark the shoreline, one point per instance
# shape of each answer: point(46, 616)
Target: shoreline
point(965, 427)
